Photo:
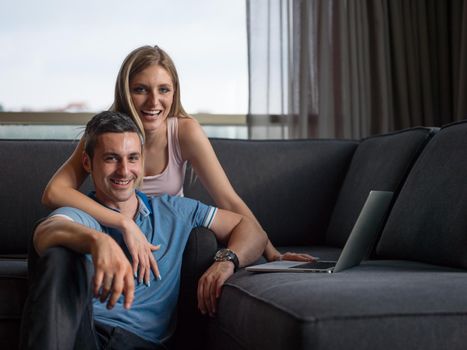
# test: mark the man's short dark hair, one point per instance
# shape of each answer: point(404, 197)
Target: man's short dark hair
point(104, 122)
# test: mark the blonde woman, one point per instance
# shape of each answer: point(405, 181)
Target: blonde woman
point(148, 90)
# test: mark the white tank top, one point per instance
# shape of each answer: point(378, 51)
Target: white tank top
point(170, 181)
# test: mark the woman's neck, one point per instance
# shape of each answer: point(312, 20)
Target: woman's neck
point(156, 137)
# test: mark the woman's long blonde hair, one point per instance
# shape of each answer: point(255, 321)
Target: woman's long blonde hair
point(138, 60)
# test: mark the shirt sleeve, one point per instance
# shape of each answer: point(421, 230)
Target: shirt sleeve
point(197, 213)
point(78, 216)
point(209, 217)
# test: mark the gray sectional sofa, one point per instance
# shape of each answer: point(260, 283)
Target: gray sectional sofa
point(410, 294)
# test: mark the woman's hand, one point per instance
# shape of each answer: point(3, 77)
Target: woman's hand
point(140, 249)
point(272, 254)
point(295, 257)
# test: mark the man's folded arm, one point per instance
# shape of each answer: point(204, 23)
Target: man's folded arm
point(112, 271)
point(240, 234)
point(59, 231)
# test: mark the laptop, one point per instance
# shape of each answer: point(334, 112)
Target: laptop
point(358, 245)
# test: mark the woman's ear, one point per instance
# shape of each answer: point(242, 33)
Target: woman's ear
point(87, 162)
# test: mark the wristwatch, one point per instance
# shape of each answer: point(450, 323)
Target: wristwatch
point(227, 255)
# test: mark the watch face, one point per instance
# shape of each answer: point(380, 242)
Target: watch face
point(223, 255)
point(227, 255)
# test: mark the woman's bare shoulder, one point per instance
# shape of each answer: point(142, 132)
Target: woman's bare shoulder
point(189, 130)
point(193, 141)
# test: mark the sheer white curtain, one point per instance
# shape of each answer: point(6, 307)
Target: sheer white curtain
point(353, 68)
point(268, 61)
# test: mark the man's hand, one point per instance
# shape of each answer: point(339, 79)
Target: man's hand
point(240, 234)
point(210, 285)
point(113, 274)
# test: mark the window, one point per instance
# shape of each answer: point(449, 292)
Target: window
point(65, 56)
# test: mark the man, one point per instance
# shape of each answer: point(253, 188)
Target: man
point(60, 312)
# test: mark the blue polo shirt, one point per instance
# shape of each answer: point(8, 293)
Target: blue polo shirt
point(164, 220)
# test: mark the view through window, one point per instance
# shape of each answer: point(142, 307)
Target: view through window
point(64, 56)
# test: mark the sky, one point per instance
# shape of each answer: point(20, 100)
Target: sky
point(56, 52)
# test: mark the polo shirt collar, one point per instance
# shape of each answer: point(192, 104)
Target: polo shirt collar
point(144, 207)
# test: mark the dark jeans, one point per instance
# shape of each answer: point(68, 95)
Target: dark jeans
point(58, 311)
point(116, 338)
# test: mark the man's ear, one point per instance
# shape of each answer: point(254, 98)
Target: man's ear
point(87, 162)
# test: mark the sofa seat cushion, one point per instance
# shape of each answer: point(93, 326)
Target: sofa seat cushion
point(13, 287)
point(377, 305)
point(13, 291)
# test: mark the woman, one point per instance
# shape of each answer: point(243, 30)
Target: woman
point(147, 89)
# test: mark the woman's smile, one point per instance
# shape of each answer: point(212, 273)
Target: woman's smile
point(152, 94)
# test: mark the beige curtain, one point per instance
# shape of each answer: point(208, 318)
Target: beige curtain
point(354, 68)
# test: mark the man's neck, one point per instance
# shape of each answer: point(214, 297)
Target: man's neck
point(128, 208)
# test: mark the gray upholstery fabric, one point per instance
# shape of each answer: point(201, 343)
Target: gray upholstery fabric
point(28, 166)
point(197, 258)
point(13, 291)
point(380, 304)
point(290, 185)
point(379, 163)
point(429, 222)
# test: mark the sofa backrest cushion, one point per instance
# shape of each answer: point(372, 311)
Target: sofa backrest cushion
point(380, 163)
point(290, 185)
point(428, 222)
point(27, 166)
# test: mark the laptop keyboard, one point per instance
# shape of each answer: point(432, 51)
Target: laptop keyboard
point(315, 265)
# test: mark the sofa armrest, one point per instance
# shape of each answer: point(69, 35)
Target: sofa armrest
point(197, 257)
